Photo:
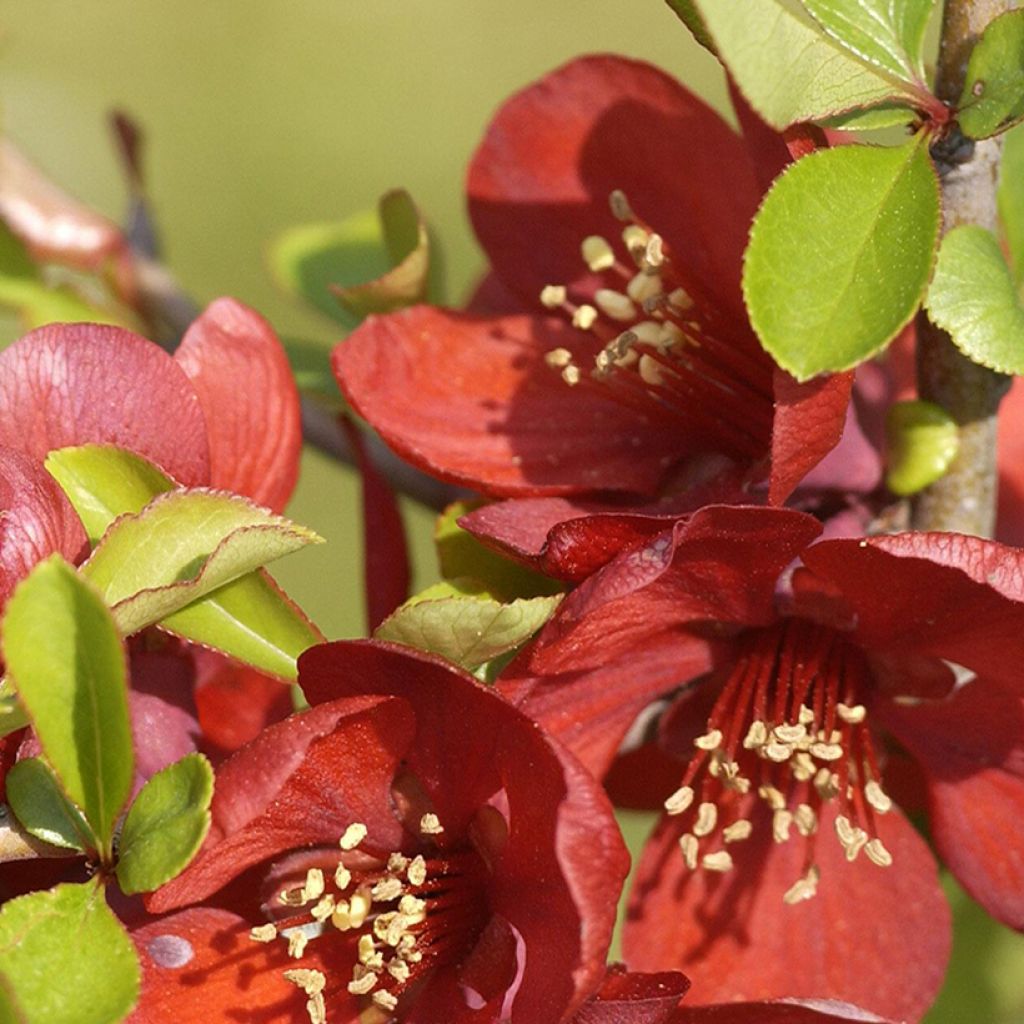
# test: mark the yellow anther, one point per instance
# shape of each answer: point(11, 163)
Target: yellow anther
point(643, 286)
point(781, 821)
point(680, 299)
point(850, 836)
point(806, 715)
point(772, 797)
point(844, 830)
point(621, 210)
point(417, 873)
point(737, 831)
point(646, 331)
point(297, 942)
point(720, 860)
point(430, 825)
point(399, 970)
point(679, 801)
point(363, 980)
point(803, 768)
point(263, 933)
point(323, 909)
point(635, 240)
point(341, 916)
point(597, 253)
point(651, 371)
point(709, 741)
point(853, 715)
point(309, 981)
point(615, 305)
point(359, 905)
point(827, 751)
point(316, 1009)
point(688, 844)
point(778, 752)
point(738, 784)
point(707, 818)
point(805, 819)
point(387, 889)
point(353, 836)
point(552, 296)
point(342, 877)
point(876, 852)
point(804, 889)
point(385, 1000)
point(397, 863)
point(654, 255)
point(585, 317)
point(789, 733)
point(826, 783)
point(412, 906)
point(672, 337)
point(757, 736)
point(877, 797)
point(365, 948)
point(314, 887)
point(558, 358)
point(571, 375)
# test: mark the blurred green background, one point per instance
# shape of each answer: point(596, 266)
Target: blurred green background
point(261, 115)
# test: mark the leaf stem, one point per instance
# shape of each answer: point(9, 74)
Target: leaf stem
point(964, 500)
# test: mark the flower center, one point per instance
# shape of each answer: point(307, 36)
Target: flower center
point(660, 351)
point(787, 729)
point(404, 916)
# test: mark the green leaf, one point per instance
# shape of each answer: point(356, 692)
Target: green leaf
point(41, 807)
point(310, 361)
point(103, 482)
point(974, 299)
point(182, 546)
point(922, 441)
point(993, 96)
point(887, 33)
point(63, 651)
point(1011, 198)
point(460, 554)
point(468, 631)
point(687, 12)
point(12, 714)
point(66, 959)
point(249, 619)
point(885, 116)
point(840, 254)
point(788, 69)
point(374, 261)
point(166, 824)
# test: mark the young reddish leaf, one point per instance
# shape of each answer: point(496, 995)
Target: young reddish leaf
point(840, 255)
point(993, 96)
point(65, 958)
point(63, 650)
point(165, 825)
point(973, 297)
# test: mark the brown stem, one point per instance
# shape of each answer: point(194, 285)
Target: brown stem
point(964, 500)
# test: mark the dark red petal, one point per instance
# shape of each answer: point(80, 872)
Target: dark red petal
point(471, 400)
point(556, 879)
point(539, 183)
point(942, 595)
point(35, 519)
point(736, 938)
point(301, 781)
point(802, 1011)
point(809, 421)
point(1010, 517)
point(571, 539)
point(201, 965)
point(235, 702)
point(386, 570)
point(971, 748)
point(247, 392)
point(70, 384)
point(634, 998)
point(765, 146)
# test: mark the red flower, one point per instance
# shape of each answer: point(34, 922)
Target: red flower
point(663, 375)
point(780, 690)
point(477, 876)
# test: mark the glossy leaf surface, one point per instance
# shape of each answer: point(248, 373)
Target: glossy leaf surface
point(993, 96)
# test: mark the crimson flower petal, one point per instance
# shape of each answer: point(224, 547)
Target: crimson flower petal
point(471, 400)
point(971, 748)
point(248, 395)
point(35, 519)
point(69, 384)
point(1010, 515)
point(539, 183)
point(634, 998)
point(301, 781)
point(783, 1011)
point(733, 933)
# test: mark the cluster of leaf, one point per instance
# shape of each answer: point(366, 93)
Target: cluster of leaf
point(843, 251)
